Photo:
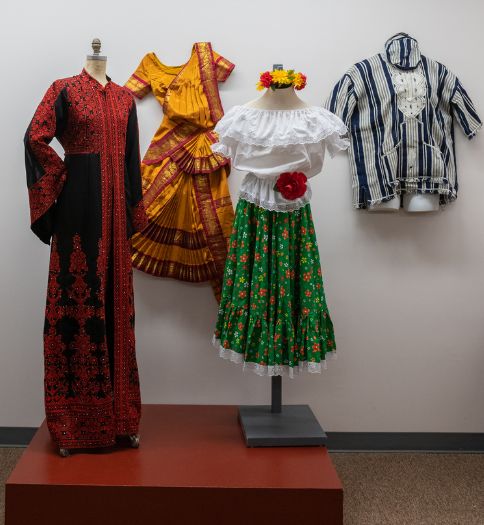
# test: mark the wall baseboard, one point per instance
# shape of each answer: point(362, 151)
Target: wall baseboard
point(406, 441)
point(338, 441)
point(16, 436)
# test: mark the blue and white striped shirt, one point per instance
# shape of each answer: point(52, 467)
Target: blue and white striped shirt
point(399, 107)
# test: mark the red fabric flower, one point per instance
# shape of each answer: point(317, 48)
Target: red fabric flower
point(292, 185)
point(266, 79)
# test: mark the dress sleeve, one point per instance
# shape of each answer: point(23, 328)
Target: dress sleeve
point(46, 171)
point(139, 82)
point(342, 100)
point(464, 110)
point(134, 194)
point(223, 67)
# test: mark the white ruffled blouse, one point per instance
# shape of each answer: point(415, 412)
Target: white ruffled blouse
point(265, 143)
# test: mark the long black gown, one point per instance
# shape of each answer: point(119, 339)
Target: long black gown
point(87, 206)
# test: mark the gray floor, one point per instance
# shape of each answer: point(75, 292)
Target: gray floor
point(388, 489)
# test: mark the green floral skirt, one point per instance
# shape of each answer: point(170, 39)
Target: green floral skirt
point(273, 315)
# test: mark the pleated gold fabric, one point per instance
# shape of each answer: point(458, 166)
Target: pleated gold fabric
point(185, 188)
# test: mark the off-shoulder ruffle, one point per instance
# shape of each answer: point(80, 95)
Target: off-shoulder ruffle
point(266, 127)
point(266, 143)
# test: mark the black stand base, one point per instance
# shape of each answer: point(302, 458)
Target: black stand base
point(294, 426)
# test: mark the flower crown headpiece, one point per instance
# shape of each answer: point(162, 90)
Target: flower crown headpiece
point(280, 79)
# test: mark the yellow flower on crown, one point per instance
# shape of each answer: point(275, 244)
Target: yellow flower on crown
point(298, 81)
point(280, 76)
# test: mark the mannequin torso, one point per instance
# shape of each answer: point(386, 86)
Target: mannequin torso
point(96, 63)
point(278, 99)
point(386, 207)
point(412, 203)
point(420, 202)
point(97, 69)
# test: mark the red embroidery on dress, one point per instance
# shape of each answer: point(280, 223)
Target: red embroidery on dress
point(138, 217)
point(101, 268)
point(76, 365)
point(78, 268)
point(43, 194)
point(127, 401)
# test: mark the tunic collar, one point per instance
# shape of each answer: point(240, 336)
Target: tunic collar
point(402, 51)
point(95, 83)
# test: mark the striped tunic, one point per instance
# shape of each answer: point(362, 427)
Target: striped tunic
point(399, 107)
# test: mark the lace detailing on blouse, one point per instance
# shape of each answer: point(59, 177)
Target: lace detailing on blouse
point(266, 143)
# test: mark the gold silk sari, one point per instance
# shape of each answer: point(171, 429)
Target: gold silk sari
point(185, 188)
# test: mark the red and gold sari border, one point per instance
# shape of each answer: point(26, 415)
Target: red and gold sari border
point(208, 77)
point(170, 142)
point(138, 79)
point(162, 235)
point(193, 165)
point(138, 87)
point(175, 270)
point(223, 202)
point(227, 68)
point(167, 174)
point(216, 241)
point(172, 145)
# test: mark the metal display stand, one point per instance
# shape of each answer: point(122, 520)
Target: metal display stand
point(278, 425)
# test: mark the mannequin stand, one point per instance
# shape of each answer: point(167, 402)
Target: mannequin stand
point(278, 425)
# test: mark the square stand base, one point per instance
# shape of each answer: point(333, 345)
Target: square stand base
point(192, 467)
point(294, 426)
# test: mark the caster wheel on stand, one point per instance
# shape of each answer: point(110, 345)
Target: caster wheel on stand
point(64, 452)
point(134, 440)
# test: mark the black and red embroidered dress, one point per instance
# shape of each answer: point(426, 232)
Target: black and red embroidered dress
point(87, 206)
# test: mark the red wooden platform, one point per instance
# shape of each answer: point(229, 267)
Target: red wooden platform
point(192, 467)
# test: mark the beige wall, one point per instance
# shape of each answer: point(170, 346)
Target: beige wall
point(406, 292)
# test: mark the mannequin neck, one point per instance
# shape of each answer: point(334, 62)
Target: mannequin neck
point(278, 99)
point(97, 70)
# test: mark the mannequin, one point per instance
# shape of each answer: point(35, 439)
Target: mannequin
point(86, 207)
point(96, 63)
point(391, 206)
point(421, 202)
point(278, 99)
point(279, 141)
point(284, 98)
point(412, 203)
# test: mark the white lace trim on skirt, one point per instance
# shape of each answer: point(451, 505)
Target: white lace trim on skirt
point(272, 370)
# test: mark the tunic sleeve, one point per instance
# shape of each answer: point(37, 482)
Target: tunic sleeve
point(134, 195)
point(46, 171)
point(464, 110)
point(223, 67)
point(342, 100)
point(139, 82)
